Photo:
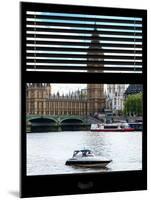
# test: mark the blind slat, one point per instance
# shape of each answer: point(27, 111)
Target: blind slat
point(103, 32)
point(95, 44)
point(83, 25)
point(84, 62)
point(85, 50)
point(91, 68)
point(78, 37)
point(47, 17)
point(83, 56)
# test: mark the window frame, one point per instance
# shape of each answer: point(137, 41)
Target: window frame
point(112, 181)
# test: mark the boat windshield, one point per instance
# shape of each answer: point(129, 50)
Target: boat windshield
point(82, 153)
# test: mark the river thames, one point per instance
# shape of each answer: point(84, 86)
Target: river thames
point(48, 152)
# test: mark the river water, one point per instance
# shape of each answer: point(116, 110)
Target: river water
point(48, 152)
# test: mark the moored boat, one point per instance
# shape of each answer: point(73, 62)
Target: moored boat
point(114, 127)
point(138, 126)
point(85, 158)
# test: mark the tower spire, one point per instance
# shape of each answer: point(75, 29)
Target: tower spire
point(95, 35)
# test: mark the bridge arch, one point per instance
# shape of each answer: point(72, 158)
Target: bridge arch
point(37, 118)
point(42, 121)
point(71, 124)
point(42, 124)
point(71, 120)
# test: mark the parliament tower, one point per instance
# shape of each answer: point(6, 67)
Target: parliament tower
point(37, 95)
point(96, 98)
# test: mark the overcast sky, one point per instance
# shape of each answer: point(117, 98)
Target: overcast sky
point(68, 87)
point(65, 88)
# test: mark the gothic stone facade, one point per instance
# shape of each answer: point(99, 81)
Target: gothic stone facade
point(40, 101)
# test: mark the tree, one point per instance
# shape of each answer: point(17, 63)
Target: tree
point(133, 105)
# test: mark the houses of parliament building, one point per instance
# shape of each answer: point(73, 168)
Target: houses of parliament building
point(41, 101)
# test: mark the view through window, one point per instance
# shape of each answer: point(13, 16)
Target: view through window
point(104, 118)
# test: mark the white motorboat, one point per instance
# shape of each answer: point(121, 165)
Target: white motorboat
point(85, 158)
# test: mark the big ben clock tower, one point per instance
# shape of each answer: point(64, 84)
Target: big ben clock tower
point(96, 98)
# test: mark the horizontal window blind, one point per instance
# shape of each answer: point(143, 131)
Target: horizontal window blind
point(57, 41)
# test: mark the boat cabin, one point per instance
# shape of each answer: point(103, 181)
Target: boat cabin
point(110, 126)
point(82, 153)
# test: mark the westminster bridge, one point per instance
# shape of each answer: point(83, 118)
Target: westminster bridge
point(44, 123)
